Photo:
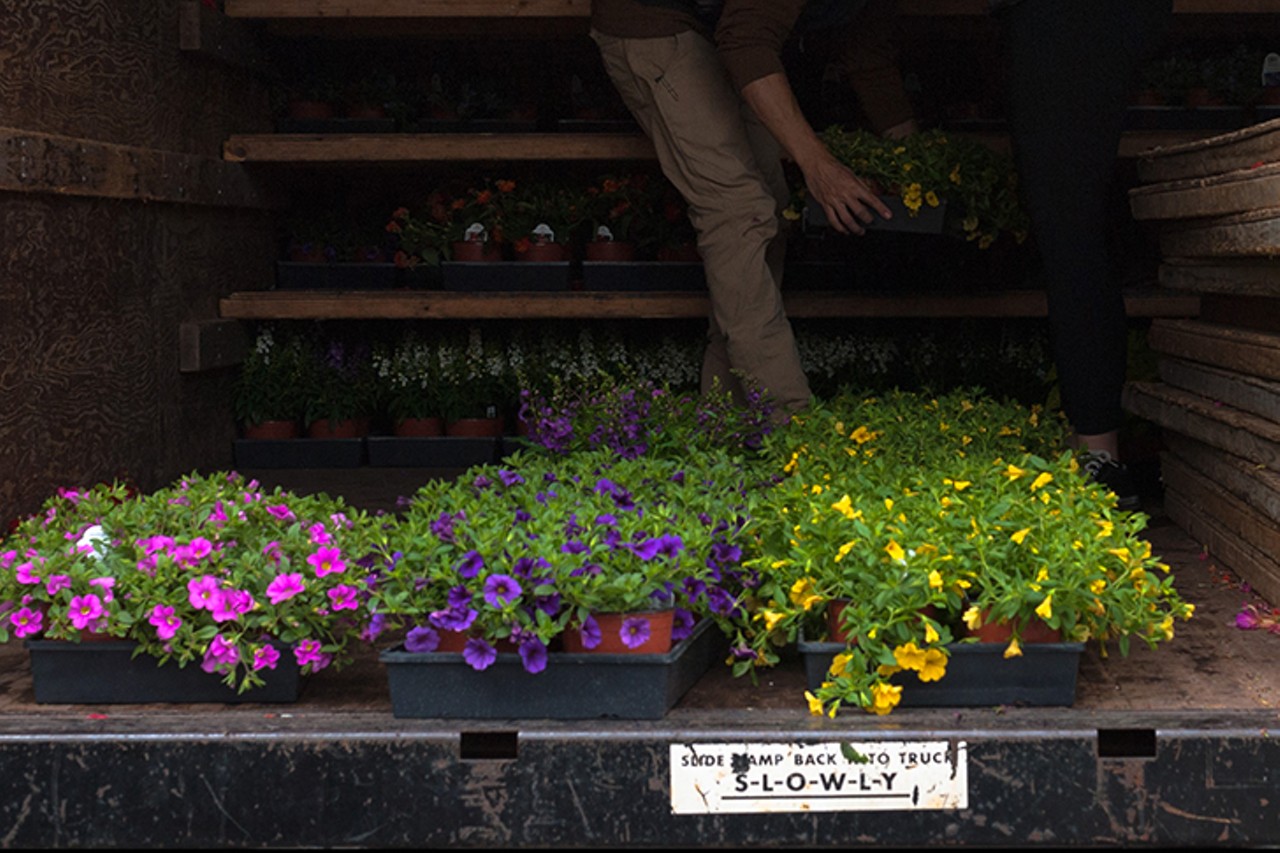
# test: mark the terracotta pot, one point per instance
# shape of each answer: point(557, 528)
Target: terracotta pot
point(456, 641)
point(1147, 98)
point(609, 250)
point(1203, 96)
point(659, 642)
point(688, 253)
point(366, 111)
point(1270, 96)
point(308, 254)
point(1033, 631)
point(475, 252)
point(483, 427)
point(273, 429)
point(542, 252)
point(347, 428)
point(416, 427)
point(307, 108)
point(836, 632)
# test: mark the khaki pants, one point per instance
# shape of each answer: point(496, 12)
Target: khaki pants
point(728, 168)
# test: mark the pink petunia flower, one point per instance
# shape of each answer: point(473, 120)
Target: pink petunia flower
point(283, 587)
point(327, 561)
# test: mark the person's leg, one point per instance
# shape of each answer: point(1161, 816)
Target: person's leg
point(681, 96)
point(1072, 66)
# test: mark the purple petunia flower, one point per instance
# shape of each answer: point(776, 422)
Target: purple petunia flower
point(589, 633)
point(500, 590)
point(220, 654)
point(509, 478)
point(282, 512)
point(479, 654)
point(634, 631)
point(459, 597)
point(682, 624)
point(376, 625)
point(421, 638)
point(533, 654)
point(471, 564)
point(574, 546)
point(719, 601)
point(454, 619)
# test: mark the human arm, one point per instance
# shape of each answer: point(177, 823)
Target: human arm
point(845, 198)
point(749, 37)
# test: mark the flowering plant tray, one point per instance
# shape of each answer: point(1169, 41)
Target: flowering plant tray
point(574, 686)
point(106, 672)
point(927, 220)
point(977, 675)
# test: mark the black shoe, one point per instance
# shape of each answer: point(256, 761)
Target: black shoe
point(1101, 468)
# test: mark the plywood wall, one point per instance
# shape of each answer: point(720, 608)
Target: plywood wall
point(98, 275)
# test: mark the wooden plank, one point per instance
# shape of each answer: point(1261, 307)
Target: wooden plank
point(1257, 485)
point(454, 147)
point(1244, 276)
point(1239, 391)
point(1219, 195)
point(1211, 155)
point(1255, 234)
point(408, 8)
point(569, 8)
point(435, 147)
point(1233, 514)
point(64, 165)
point(208, 32)
point(298, 305)
point(1259, 570)
point(211, 344)
point(1254, 313)
point(1243, 351)
point(1242, 434)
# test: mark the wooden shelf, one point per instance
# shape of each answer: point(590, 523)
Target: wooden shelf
point(410, 148)
point(450, 305)
point(582, 8)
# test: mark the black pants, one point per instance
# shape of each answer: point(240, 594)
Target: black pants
point(1071, 68)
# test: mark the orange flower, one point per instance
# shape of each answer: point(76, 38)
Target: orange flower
point(394, 227)
point(400, 213)
point(522, 245)
point(505, 186)
point(458, 204)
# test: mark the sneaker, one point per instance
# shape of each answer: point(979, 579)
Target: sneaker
point(1102, 468)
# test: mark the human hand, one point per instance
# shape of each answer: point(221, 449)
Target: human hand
point(848, 201)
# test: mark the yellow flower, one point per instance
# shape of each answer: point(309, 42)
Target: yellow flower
point(930, 635)
point(771, 618)
point(1105, 527)
point(1020, 535)
point(934, 666)
point(884, 698)
point(888, 503)
point(1044, 479)
point(1166, 627)
point(909, 656)
point(845, 549)
point(972, 618)
point(895, 552)
point(815, 489)
point(1097, 586)
point(1013, 472)
point(955, 179)
point(931, 198)
point(862, 435)
point(935, 579)
point(1188, 610)
point(791, 214)
point(1045, 610)
point(815, 704)
point(886, 671)
point(1014, 650)
point(803, 594)
point(840, 665)
point(791, 466)
point(844, 506)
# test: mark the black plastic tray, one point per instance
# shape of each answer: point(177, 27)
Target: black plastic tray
point(296, 275)
point(643, 275)
point(977, 675)
point(505, 275)
point(572, 687)
point(105, 672)
point(299, 452)
point(445, 451)
point(928, 220)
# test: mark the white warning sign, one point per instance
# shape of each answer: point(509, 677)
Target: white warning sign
point(736, 778)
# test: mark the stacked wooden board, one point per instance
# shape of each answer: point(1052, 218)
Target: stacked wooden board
point(1216, 203)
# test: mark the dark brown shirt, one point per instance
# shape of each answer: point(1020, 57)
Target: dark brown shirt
point(750, 35)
